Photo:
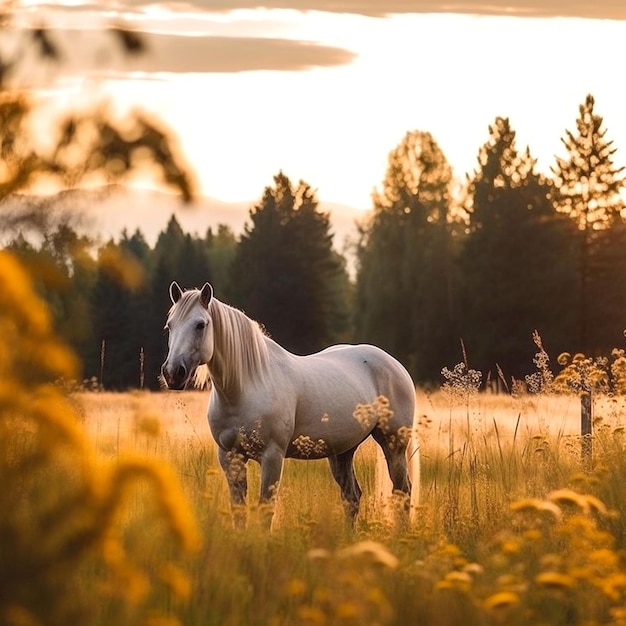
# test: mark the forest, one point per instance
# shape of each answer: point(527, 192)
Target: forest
point(445, 270)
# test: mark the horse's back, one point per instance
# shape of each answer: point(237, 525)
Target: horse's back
point(361, 373)
point(364, 357)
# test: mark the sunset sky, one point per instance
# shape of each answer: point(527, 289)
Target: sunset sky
point(324, 90)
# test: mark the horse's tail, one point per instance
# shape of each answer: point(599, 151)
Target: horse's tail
point(382, 482)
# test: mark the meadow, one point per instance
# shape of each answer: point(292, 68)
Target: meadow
point(113, 510)
point(511, 527)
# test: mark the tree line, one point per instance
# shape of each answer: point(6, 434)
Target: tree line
point(445, 270)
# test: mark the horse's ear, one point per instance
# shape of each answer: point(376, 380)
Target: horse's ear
point(206, 294)
point(175, 292)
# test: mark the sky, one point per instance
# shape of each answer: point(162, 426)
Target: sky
point(324, 90)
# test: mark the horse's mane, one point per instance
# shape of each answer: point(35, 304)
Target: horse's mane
point(240, 355)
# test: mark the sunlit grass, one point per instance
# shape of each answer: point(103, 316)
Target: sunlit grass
point(491, 467)
point(114, 510)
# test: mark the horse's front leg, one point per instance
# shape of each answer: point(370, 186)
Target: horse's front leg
point(234, 466)
point(271, 471)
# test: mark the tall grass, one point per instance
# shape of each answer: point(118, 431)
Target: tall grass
point(510, 527)
point(113, 510)
point(84, 539)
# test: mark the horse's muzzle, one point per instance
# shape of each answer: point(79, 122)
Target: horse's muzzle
point(176, 377)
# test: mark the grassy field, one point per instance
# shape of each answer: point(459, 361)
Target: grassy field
point(510, 527)
point(113, 511)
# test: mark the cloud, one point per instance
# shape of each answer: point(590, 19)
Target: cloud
point(91, 52)
point(203, 36)
point(601, 9)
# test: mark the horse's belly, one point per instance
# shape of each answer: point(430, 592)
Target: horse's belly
point(307, 446)
point(323, 433)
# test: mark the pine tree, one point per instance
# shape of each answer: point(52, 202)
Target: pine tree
point(588, 187)
point(515, 262)
point(165, 269)
point(405, 282)
point(285, 273)
point(221, 250)
point(112, 310)
point(138, 247)
point(193, 267)
point(144, 360)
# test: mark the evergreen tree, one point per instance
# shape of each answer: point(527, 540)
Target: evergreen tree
point(221, 250)
point(588, 188)
point(65, 271)
point(144, 343)
point(607, 290)
point(193, 266)
point(114, 323)
point(515, 262)
point(286, 274)
point(168, 248)
point(405, 283)
point(166, 268)
point(180, 257)
point(138, 247)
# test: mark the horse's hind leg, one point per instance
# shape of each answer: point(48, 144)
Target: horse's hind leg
point(342, 467)
point(234, 466)
point(394, 448)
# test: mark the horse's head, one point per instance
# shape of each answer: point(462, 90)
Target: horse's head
point(190, 341)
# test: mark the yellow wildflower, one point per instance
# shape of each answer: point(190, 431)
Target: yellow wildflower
point(618, 613)
point(347, 611)
point(569, 497)
point(534, 505)
point(461, 581)
point(318, 554)
point(555, 580)
point(528, 504)
point(474, 569)
point(596, 505)
point(295, 587)
point(510, 547)
point(310, 615)
point(532, 534)
point(502, 599)
point(373, 551)
point(613, 586)
point(176, 579)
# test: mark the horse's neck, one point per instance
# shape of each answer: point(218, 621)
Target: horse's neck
point(228, 389)
point(240, 362)
point(227, 397)
point(221, 376)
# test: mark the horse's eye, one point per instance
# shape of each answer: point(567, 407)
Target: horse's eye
point(200, 325)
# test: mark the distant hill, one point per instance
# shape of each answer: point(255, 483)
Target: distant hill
point(107, 211)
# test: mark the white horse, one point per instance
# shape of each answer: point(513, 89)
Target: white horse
point(267, 404)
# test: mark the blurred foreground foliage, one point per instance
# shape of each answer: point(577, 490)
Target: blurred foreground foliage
point(67, 540)
point(84, 146)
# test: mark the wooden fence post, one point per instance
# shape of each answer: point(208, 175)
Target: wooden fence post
point(586, 430)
